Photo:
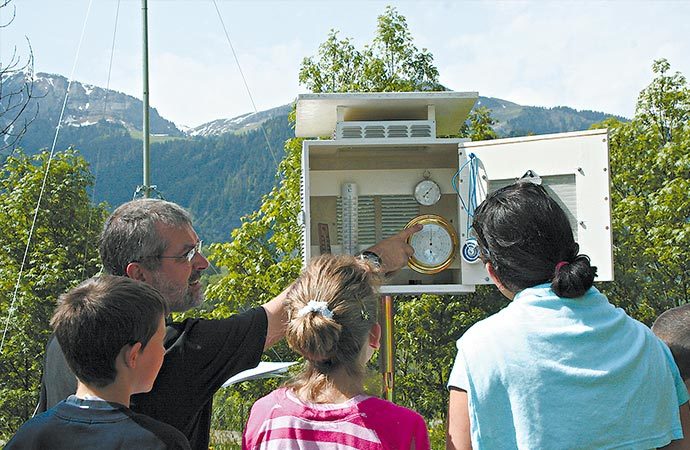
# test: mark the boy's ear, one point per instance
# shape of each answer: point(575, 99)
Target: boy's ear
point(135, 271)
point(132, 355)
point(375, 336)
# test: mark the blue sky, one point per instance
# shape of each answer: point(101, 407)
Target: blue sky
point(583, 54)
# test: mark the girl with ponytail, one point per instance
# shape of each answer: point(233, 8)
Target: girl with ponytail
point(332, 324)
point(559, 367)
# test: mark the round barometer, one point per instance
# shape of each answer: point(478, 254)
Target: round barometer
point(434, 246)
point(427, 192)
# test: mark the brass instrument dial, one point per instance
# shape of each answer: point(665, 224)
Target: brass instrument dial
point(434, 246)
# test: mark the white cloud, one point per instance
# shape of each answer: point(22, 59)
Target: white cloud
point(595, 57)
point(189, 91)
point(584, 54)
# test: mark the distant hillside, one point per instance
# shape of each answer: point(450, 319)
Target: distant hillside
point(511, 119)
point(240, 124)
point(517, 120)
point(86, 105)
point(218, 170)
point(219, 178)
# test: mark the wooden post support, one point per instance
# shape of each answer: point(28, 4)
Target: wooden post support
point(387, 354)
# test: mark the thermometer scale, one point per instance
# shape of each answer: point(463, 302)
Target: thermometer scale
point(348, 193)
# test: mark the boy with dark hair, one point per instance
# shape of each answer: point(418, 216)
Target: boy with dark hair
point(111, 330)
point(673, 327)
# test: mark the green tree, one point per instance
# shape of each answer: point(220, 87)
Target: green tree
point(337, 69)
point(650, 181)
point(391, 63)
point(264, 252)
point(62, 252)
point(478, 126)
point(425, 349)
point(263, 256)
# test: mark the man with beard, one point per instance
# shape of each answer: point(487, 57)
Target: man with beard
point(153, 241)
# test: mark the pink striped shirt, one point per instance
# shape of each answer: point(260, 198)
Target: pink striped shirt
point(281, 421)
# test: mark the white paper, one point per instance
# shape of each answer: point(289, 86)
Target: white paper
point(263, 370)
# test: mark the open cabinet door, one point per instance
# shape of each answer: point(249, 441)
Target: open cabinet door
point(574, 169)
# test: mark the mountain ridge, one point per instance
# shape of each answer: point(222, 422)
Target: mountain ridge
point(218, 170)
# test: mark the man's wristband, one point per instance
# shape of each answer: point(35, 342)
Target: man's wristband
point(371, 257)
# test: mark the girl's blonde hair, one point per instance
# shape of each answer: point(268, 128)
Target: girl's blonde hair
point(349, 288)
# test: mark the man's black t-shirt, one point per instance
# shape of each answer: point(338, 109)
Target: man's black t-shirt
point(201, 355)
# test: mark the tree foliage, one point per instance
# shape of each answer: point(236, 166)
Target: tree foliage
point(650, 181)
point(426, 329)
point(61, 253)
point(391, 63)
point(478, 126)
point(263, 256)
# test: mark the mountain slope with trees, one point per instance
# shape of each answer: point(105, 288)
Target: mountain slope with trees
point(229, 157)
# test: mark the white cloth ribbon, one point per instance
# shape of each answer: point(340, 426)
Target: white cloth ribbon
point(317, 307)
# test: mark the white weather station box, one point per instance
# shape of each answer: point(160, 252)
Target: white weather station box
point(377, 162)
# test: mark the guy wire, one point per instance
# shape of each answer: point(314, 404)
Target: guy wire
point(246, 86)
point(98, 150)
point(43, 185)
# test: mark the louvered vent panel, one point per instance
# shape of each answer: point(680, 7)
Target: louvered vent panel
point(386, 130)
point(366, 220)
point(420, 131)
point(561, 185)
point(397, 131)
point(396, 211)
point(374, 132)
point(351, 132)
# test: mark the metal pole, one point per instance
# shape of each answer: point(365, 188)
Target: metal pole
point(387, 353)
point(145, 126)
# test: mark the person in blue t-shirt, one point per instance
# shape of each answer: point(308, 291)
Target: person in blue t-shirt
point(559, 367)
point(111, 330)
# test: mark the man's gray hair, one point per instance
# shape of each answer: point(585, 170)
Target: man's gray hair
point(130, 233)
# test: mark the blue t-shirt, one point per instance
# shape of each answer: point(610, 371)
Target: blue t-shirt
point(551, 372)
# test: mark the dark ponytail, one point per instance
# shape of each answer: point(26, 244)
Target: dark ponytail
point(573, 278)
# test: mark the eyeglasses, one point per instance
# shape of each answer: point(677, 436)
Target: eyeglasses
point(189, 256)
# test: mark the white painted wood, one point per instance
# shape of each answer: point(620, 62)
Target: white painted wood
point(584, 155)
point(317, 114)
point(577, 164)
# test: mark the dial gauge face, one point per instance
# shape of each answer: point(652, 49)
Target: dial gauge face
point(427, 192)
point(434, 246)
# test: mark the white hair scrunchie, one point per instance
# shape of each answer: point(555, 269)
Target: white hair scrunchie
point(315, 306)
